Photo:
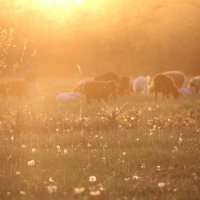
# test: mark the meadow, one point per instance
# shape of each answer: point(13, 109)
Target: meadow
point(132, 148)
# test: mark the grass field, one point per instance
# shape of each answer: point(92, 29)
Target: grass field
point(134, 148)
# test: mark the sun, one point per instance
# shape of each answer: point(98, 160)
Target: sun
point(56, 10)
point(51, 2)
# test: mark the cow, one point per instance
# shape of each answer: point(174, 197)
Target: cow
point(178, 77)
point(195, 83)
point(108, 76)
point(67, 96)
point(186, 91)
point(140, 84)
point(165, 85)
point(98, 90)
point(124, 85)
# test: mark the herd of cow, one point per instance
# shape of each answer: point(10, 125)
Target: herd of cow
point(109, 85)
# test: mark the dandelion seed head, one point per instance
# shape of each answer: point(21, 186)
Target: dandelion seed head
point(17, 172)
point(21, 192)
point(31, 162)
point(92, 179)
point(51, 179)
point(52, 189)
point(161, 184)
point(135, 177)
point(65, 151)
point(23, 146)
point(58, 148)
point(79, 190)
point(95, 192)
point(127, 179)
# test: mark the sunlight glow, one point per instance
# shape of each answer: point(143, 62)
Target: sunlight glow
point(55, 10)
point(61, 1)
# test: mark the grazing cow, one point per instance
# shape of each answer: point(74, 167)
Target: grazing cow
point(179, 77)
point(151, 89)
point(195, 83)
point(67, 96)
point(165, 85)
point(140, 84)
point(98, 90)
point(124, 85)
point(108, 76)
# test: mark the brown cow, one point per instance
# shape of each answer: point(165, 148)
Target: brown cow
point(98, 90)
point(165, 85)
point(178, 77)
point(125, 85)
point(108, 76)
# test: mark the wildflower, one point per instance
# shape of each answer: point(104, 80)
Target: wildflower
point(127, 179)
point(135, 177)
point(180, 140)
point(23, 146)
point(124, 153)
point(65, 151)
point(161, 184)
point(175, 189)
point(149, 109)
point(137, 139)
point(95, 192)
point(22, 192)
point(58, 148)
point(92, 179)
point(17, 172)
point(158, 168)
point(89, 145)
point(143, 166)
point(79, 190)
point(52, 188)
point(51, 179)
point(33, 150)
point(12, 138)
point(31, 162)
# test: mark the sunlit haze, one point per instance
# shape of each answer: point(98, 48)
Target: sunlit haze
point(141, 35)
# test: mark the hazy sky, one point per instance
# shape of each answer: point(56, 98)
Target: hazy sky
point(98, 34)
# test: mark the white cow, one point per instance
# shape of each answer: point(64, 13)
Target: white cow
point(140, 84)
point(186, 92)
point(67, 96)
point(195, 83)
point(178, 77)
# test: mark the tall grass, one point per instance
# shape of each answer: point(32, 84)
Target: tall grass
point(141, 150)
